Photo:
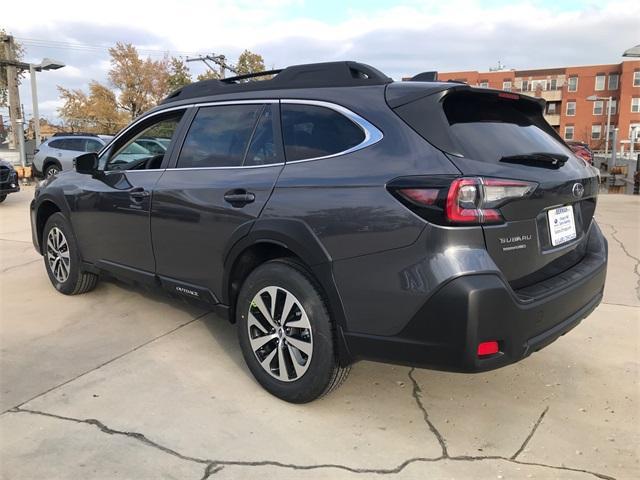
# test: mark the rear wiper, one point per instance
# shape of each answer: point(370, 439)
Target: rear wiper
point(549, 160)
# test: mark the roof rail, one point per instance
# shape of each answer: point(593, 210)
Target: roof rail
point(312, 75)
point(73, 134)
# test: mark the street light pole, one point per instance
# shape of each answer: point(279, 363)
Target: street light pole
point(34, 101)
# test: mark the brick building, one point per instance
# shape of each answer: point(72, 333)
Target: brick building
point(566, 90)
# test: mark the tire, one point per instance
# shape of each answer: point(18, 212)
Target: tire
point(309, 343)
point(3, 197)
point(66, 272)
point(51, 170)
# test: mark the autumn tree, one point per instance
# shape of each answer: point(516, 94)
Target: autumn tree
point(96, 112)
point(209, 75)
point(141, 83)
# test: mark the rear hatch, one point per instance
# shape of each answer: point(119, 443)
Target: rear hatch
point(535, 227)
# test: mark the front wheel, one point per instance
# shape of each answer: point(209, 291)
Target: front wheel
point(286, 333)
point(62, 258)
point(51, 170)
point(3, 197)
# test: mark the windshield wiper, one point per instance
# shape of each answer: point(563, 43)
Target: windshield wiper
point(543, 159)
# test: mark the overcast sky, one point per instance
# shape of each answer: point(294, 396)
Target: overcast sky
point(400, 38)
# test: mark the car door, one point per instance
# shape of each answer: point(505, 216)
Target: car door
point(111, 215)
point(226, 169)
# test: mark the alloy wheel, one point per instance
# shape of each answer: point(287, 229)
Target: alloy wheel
point(51, 171)
point(280, 333)
point(58, 254)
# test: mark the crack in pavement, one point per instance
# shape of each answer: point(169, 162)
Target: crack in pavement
point(636, 269)
point(6, 269)
point(214, 466)
point(113, 359)
point(531, 433)
point(417, 394)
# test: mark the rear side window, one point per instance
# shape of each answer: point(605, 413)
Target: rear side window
point(312, 131)
point(484, 127)
point(93, 145)
point(219, 136)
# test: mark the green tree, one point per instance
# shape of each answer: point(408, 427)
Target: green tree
point(249, 62)
point(179, 74)
point(18, 52)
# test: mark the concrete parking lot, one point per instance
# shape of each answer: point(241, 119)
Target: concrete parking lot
point(125, 383)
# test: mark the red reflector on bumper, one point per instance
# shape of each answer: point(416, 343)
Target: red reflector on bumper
point(488, 348)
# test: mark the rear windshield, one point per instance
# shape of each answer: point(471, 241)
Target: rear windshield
point(482, 126)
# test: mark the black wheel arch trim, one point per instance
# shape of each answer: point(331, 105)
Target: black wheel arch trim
point(297, 237)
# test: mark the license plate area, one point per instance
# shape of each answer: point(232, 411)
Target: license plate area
point(562, 225)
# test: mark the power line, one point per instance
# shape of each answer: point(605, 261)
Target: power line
point(87, 47)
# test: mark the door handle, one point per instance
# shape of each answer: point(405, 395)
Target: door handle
point(138, 194)
point(239, 197)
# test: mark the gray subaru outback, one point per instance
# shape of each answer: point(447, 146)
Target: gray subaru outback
point(336, 215)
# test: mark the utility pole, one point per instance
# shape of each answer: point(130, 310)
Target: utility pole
point(34, 97)
point(219, 60)
point(14, 94)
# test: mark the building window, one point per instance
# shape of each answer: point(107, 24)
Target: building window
point(552, 108)
point(484, 84)
point(572, 84)
point(553, 84)
point(600, 82)
point(636, 78)
point(614, 79)
point(506, 85)
point(568, 132)
point(614, 106)
point(525, 85)
point(571, 109)
point(598, 107)
point(596, 131)
point(635, 105)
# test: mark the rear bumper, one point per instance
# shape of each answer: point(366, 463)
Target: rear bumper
point(470, 309)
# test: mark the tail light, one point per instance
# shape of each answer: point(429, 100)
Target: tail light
point(459, 200)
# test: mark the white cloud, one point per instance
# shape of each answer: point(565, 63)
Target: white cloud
point(400, 40)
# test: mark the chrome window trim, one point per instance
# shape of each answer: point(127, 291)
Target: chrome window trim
point(372, 134)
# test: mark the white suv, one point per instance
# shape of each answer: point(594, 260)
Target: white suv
point(57, 153)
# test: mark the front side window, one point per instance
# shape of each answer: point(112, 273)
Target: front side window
point(599, 82)
point(312, 131)
point(568, 132)
point(571, 109)
point(219, 136)
point(614, 79)
point(596, 131)
point(598, 107)
point(131, 155)
point(59, 144)
point(572, 84)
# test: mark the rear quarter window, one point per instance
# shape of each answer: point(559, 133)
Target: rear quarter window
point(312, 131)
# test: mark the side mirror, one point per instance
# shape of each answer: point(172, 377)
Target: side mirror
point(87, 163)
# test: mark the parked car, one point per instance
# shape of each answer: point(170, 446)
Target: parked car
point(336, 215)
point(582, 150)
point(57, 153)
point(8, 180)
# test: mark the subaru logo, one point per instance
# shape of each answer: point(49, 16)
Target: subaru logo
point(577, 190)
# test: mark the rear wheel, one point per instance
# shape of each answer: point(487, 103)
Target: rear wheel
point(62, 259)
point(286, 333)
point(3, 197)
